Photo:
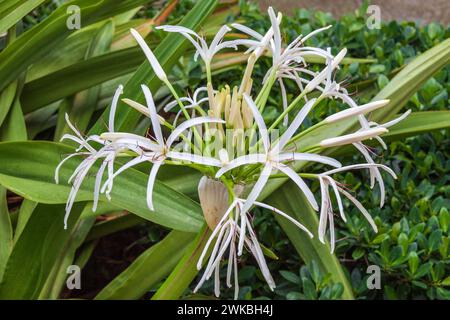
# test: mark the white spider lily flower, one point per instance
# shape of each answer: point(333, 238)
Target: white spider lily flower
point(202, 49)
point(352, 137)
point(108, 152)
point(351, 112)
point(326, 211)
point(285, 61)
point(274, 156)
point(231, 233)
point(262, 42)
point(150, 56)
point(160, 148)
point(326, 72)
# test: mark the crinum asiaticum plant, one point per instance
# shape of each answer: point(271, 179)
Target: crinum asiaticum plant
point(224, 136)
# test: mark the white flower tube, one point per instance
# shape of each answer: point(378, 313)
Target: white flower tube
point(352, 137)
point(354, 111)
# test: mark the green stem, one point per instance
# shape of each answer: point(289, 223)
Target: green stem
point(303, 175)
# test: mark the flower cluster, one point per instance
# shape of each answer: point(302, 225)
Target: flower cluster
point(224, 136)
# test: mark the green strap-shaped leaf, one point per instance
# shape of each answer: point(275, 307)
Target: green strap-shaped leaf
point(12, 11)
point(33, 178)
point(149, 268)
point(56, 279)
point(43, 37)
point(186, 269)
point(6, 231)
point(27, 269)
point(84, 102)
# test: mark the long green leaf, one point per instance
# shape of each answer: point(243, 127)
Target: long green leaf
point(27, 269)
point(12, 11)
point(6, 232)
point(148, 269)
point(43, 37)
point(84, 102)
point(32, 178)
point(56, 280)
point(419, 122)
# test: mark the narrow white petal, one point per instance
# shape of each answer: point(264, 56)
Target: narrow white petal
point(338, 58)
point(243, 216)
point(217, 281)
point(153, 115)
point(361, 208)
point(383, 144)
point(98, 181)
point(295, 124)
point(362, 166)
point(150, 56)
point(363, 150)
point(284, 100)
point(247, 30)
point(288, 156)
point(259, 256)
point(323, 210)
point(58, 167)
point(213, 255)
point(397, 120)
point(267, 37)
point(257, 188)
point(72, 127)
point(300, 183)
point(151, 183)
point(332, 235)
point(74, 190)
point(338, 197)
point(130, 139)
point(190, 123)
point(276, 33)
point(126, 166)
point(259, 121)
point(112, 112)
point(218, 38)
point(216, 230)
point(309, 35)
point(285, 215)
